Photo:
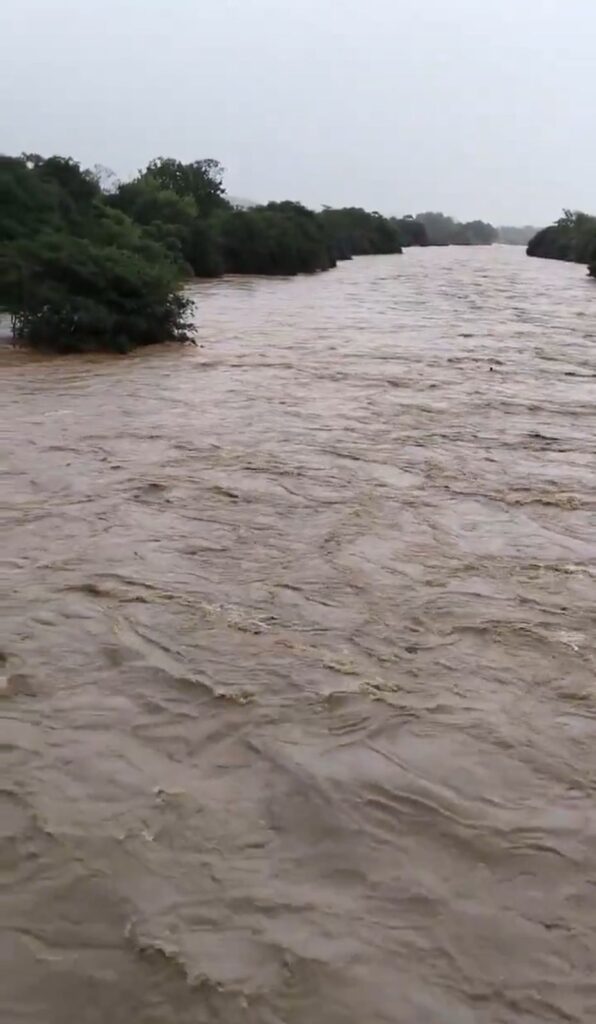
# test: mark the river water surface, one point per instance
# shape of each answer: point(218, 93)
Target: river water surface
point(298, 717)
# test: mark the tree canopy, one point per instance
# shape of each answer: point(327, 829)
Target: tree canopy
point(351, 231)
point(75, 273)
point(87, 261)
point(412, 232)
point(444, 230)
point(572, 238)
point(201, 180)
point(279, 238)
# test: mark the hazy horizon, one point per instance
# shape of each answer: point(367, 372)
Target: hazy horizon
point(481, 111)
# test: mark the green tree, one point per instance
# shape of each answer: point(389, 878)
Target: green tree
point(201, 180)
point(278, 239)
point(572, 237)
point(444, 230)
point(412, 232)
point(26, 203)
point(166, 217)
point(439, 228)
point(79, 275)
point(352, 231)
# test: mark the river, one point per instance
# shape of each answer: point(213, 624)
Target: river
point(298, 717)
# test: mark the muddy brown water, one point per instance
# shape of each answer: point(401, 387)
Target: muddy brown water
point(298, 718)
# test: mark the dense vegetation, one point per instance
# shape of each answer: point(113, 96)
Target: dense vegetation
point(185, 207)
point(76, 273)
point(443, 230)
point(90, 262)
point(572, 238)
point(411, 231)
point(86, 262)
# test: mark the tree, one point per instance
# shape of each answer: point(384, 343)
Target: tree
point(26, 202)
point(167, 217)
point(277, 239)
point(89, 262)
point(443, 230)
point(572, 238)
point(201, 181)
point(78, 274)
point(411, 231)
point(352, 231)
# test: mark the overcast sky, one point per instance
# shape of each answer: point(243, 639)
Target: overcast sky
point(479, 108)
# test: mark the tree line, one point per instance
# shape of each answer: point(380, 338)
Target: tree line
point(443, 230)
point(90, 262)
point(511, 235)
point(571, 238)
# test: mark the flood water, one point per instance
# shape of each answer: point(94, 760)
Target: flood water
point(298, 723)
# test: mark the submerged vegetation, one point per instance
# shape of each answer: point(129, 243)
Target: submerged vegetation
point(86, 262)
point(571, 238)
point(75, 272)
point(89, 262)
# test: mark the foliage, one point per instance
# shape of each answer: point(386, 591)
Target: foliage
point(572, 237)
point(553, 243)
point(205, 253)
point(184, 207)
point(166, 216)
point(32, 194)
point(74, 273)
point(87, 261)
point(177, 204)
point(443, 230)
point(352, 231)
point(201, 181)
point(411, 231)
point(280, 238)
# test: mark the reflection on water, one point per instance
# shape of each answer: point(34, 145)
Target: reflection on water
point(298, 710)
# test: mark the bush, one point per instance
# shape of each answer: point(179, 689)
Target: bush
point(411, 231)
point(79, 275)
point(278, 239)
point(571, 238)
point(85, 265)
point(443, 230)
point(72, 294)
point(552, 243)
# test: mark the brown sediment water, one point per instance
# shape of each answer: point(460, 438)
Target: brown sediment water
point(298, 707)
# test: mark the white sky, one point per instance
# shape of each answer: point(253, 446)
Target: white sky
point(479, 108)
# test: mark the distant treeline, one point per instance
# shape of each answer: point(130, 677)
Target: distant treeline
point(90, 262)
point(443, 230)
point(572, 238)
point(509, 235)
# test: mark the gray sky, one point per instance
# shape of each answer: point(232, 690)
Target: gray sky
point(479, 108)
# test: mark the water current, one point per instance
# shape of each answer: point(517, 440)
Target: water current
point(298, 708)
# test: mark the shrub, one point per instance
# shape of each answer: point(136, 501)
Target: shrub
point(572, 238)
point(75, 274)
point(72, 294)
